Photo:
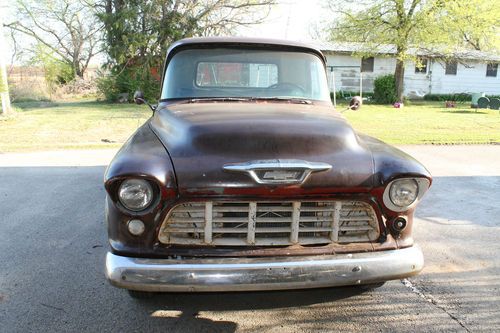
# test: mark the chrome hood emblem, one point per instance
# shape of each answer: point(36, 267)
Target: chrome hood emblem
point(278, 171)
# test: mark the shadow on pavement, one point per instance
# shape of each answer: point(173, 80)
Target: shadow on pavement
point(188, 310)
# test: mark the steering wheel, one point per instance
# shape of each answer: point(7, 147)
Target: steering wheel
point(287, 85)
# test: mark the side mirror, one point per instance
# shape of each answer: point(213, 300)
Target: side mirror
point(139, 100)
point(139, 97)
point(355, 103)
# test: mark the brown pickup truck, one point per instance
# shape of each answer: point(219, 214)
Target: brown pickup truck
point(247, 178)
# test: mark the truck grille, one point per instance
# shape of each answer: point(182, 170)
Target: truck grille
point(269, 223)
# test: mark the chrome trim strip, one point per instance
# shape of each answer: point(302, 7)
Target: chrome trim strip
point(245, 274)
point(280, 164)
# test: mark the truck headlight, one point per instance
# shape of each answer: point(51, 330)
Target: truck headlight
point(135, 194)
point(402, 194)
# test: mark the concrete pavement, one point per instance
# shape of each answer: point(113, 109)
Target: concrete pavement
point(53, 243)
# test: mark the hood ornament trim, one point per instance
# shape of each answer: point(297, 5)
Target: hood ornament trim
point(275, 172)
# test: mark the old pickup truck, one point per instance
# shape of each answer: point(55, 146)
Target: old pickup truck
point(246, 178)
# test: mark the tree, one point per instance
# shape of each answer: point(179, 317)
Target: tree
point(138, 33)
point(4, 85)
point(437, 26)
point(68, 28)
point(475, 22)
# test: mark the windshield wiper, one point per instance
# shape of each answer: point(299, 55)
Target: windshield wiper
point(294, 100)
point(217, 99)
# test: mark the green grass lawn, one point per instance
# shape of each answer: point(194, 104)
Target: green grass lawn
point(69, 125)
point(427, 123)
point(87, 124)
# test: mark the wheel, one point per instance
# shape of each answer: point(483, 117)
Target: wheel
point(140, 294)
point(483, 102)
point(495, 104)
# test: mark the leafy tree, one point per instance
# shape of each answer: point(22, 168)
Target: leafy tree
point(69, 29)
point(437, 26)
point(138, 33)
point(56, 71)
point(474, 23)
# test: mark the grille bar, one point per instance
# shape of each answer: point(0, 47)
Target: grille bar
point(208, 222)
point(294, 235)
point(269, 223)
point(252, 219)
point(334, 235)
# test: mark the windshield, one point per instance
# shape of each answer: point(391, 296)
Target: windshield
point(243, 73)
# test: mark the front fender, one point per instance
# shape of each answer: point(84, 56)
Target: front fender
point(142, 156)
point(391, 163)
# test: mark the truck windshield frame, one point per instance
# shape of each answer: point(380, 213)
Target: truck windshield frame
point(246, 73)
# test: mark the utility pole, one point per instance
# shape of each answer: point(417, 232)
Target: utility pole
point(4, 85)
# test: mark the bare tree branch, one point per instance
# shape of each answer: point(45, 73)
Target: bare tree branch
point(67, 28)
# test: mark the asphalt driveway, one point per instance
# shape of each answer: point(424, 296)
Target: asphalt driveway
point(53, 243)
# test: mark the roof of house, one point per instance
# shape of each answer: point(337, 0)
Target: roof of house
point(389, 49)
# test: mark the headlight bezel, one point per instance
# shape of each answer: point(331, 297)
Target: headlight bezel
point(400, 198)
point(147, 185)
point(422, 187)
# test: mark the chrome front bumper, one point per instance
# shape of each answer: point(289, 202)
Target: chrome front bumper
point(243, 274)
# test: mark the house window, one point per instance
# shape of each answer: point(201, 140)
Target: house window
point(451, 68)
point(367, 64)
point(491, 70)
point(421, 66)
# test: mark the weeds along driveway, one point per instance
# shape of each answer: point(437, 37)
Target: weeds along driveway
point(53, 242)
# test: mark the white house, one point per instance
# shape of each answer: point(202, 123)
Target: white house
point(475, 71)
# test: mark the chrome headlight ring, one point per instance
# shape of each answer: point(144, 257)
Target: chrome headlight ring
point(135, 194)
point(403, 194)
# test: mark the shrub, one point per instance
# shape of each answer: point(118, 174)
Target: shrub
point(128, 81)
point(384, 90)
point(106, 86)
point(32, 89)
point(77, 88)
point(460, 97)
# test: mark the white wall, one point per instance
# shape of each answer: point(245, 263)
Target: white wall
point(348, 79)
point(470, 78)
point(416, 84)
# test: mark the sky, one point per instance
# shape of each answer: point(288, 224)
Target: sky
point(289, 19)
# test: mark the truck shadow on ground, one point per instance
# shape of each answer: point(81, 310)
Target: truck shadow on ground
point(235, 301)
point(187, 310)
point(444, 301)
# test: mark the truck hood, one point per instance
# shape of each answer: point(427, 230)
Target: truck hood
point(202, 137)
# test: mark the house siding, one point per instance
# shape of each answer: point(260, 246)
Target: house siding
point(470, 78)
point(348, 78)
